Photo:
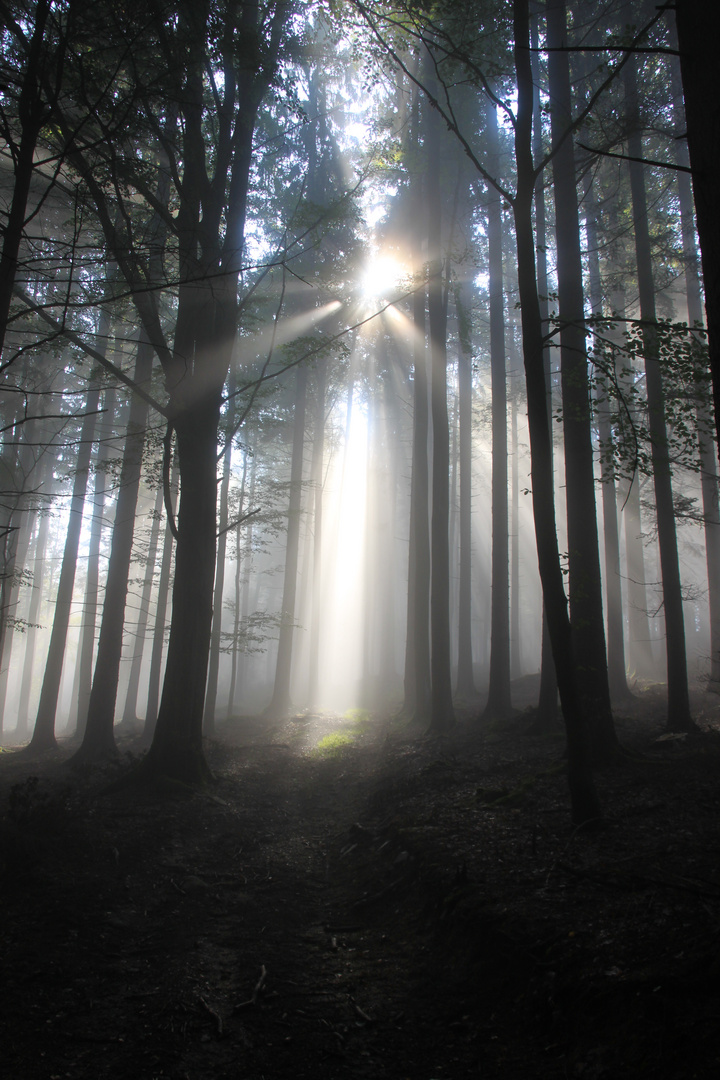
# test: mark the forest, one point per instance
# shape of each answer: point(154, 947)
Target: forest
point(359, 538)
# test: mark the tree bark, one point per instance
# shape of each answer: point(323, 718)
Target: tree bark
point(465, 686)
point(442, 713)
point(216, 634)
point(617, 677)
point(238, 577)
point(158, 645)
point(584, 578)
point(32, 114)
point(316, 474)
point(176, 749)
point(130, 710)
point(515, 624)
point(708, 452)
point(698, 31)
point(585, 803)
point(43, 737)
point(679, 717)
point(417, 681)
point(33, 615)
point(499, 704)
point(87, 636)
point(98, 739)
point(547, 709)
point(281, 703)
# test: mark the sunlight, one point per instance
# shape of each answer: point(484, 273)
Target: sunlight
point(381, 276)
point(343, 568)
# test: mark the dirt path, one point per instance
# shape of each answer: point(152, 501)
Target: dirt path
point(372, 906)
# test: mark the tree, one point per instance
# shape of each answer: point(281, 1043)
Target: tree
point(281, 701)
point(697, 30)
point(499, 703)
point(217, 71)
point(442, 713)
point(584, 581)
point(679, 718)
point(43, 737)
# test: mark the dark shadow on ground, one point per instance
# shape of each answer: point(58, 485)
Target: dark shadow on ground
point(348, 901)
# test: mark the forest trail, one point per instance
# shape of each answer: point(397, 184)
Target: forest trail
point(348, 901)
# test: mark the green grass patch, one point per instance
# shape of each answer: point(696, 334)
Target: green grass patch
point(333, 745)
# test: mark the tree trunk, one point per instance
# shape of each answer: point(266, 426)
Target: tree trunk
point(151, 710)
point(43, 737)
point(236, 583)
point(317, 485)
point(584, 579)
point(176, 749)
point(465, 678)
point(87, 635)
point(617, 677)
point(281, 704)
point(130, 711)
point(14, 566)
point(98, 739)
point(33, 615)
point(515, 625)
point(708, 453)
point(698, 30)
point(547, 709)
point(417, 680)
point(499, 704)
point(246, 578)
point(679, 718)
point(585, 804)
point(216, 634)
point(442, 713)
point(32, 113)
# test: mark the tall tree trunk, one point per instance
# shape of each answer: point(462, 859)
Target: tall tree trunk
point(584, 579)
point(130, 710)
point(33, 615)
point(617, 677)
point(679, 718)
point(317, 486)
point(547, 710)
point(499, 704)
point(465, 678)
point(32, 113)
point(515, 625)
point(639, 641)
point(177, 743)
point(417, 681)
point(210, 231)
point(708, 452)
point(158, 645)
point(13, 568)
point(281, 703)
point(698, 29)
point(442, 713)
point(10, 482)
point(98, 739)
point(639, 638)
point(585, 804)
point(237, 579)
point(216, 635)
point(87, 634)
point(43, 737)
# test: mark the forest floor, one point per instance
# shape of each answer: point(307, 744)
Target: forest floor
point(352, 899)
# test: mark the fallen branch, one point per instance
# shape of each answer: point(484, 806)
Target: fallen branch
point(253, 1000)
point(216, 1016)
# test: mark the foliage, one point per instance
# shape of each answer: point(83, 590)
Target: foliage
point(619, 357)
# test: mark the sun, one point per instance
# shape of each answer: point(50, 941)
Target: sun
point(382, 275)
